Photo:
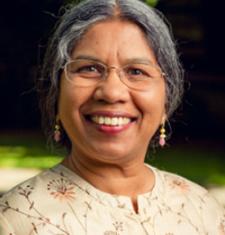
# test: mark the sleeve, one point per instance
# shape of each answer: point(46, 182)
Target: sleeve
point(213, 216)
point(5, 228)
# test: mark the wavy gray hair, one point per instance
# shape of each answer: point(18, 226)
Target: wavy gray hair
point(76, 20)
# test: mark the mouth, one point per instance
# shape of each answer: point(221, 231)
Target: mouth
point(109, 121)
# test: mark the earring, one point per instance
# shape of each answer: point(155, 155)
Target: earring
point(162, 136)
point(57, 133)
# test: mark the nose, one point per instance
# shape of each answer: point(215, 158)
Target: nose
point(111, 89)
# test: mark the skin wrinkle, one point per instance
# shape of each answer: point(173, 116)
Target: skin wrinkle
point(113, 164)
point(69, 32)
point(126, 61)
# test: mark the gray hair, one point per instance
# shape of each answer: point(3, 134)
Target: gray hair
point(76, 20)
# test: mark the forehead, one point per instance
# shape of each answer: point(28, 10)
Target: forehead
point(117, 26)
point(110, 37)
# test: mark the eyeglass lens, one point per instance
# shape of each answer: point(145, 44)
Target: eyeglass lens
point(84, 72)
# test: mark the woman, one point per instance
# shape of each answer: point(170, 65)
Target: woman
point(111, 80)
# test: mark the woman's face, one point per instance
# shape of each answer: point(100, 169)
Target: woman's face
point(138, 114)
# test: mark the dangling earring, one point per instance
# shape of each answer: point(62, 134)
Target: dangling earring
point(162, 136)
point(57, 132)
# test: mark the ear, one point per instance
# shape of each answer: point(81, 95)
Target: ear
point(164, 117)
point(57, 118)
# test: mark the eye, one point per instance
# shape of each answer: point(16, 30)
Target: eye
point(135, 71)
point(88, 68)
point(85, 69)
point(138, 72)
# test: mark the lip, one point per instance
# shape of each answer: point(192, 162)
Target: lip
point(108, 129)
point(112, 130)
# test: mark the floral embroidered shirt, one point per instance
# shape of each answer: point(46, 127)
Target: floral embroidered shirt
point(59, 202)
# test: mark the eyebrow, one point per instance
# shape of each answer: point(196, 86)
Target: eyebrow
point(87, 57)
point(141, 60)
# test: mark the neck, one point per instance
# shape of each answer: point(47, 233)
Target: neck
point(130, 179)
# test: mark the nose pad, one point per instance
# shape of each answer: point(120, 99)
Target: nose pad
point(111, 89)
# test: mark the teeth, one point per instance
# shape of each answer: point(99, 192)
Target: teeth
point(115, 121)
point(99, 120)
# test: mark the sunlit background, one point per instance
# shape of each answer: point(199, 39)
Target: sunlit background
point(196, 148)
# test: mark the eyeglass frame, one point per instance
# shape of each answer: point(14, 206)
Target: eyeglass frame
point(107, 71)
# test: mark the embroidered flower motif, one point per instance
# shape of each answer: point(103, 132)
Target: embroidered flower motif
point(118, 227)
point(180, 185)
point(25, 191)
point(61, 189)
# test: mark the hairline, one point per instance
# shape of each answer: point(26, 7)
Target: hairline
point(155, 31)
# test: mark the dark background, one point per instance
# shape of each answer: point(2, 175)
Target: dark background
point(198, 26)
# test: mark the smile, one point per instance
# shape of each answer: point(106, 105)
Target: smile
point(110, 121)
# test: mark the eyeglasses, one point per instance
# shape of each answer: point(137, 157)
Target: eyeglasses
point(86, 73)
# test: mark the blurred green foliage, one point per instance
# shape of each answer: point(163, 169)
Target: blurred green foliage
point(25, 157)
point(152, 3)
point(200, 165)
point(26, 150)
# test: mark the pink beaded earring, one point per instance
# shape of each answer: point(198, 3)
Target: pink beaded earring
point(162, 137)
point(57, 132)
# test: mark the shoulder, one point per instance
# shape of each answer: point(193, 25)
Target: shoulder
point(26, 205)
point(49, 182)
point(29, 186)
point(192, 199)
point(17, 203)
point(178, 184)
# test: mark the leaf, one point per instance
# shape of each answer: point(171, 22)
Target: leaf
point(31, 206)
point(5, 209)
point(64, 215)
point(34, 228)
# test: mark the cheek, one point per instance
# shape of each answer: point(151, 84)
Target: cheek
point(68, 101)
point(152, 108)
point(71, 100)
point(152, 102)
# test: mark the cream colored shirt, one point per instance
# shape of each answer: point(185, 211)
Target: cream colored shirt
point(59, 202)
